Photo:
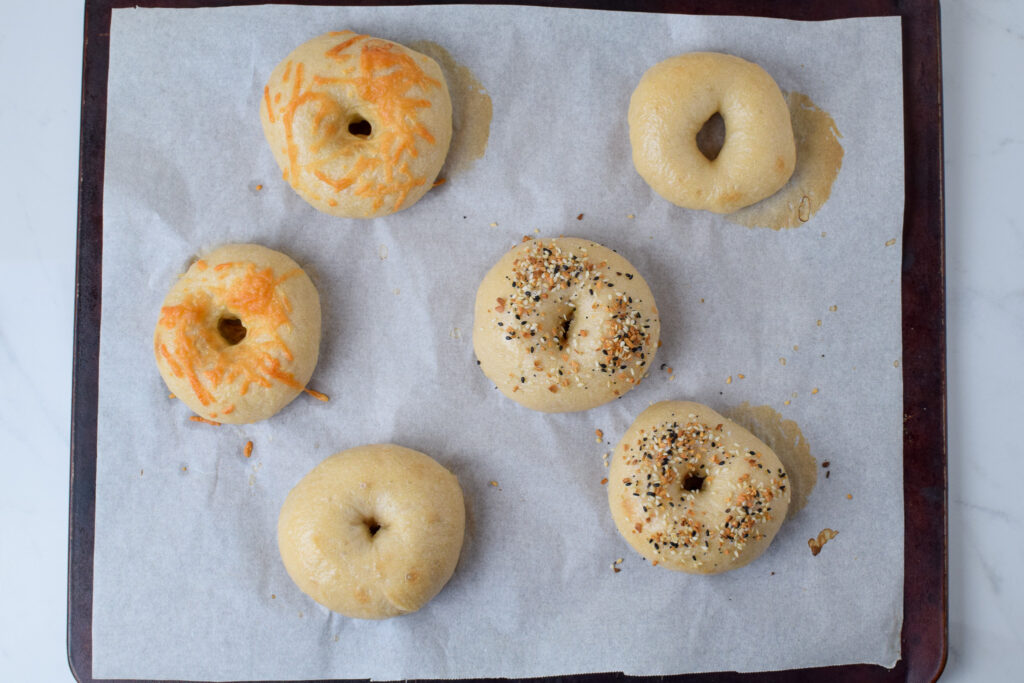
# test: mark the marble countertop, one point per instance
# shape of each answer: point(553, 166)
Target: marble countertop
point(983, 83)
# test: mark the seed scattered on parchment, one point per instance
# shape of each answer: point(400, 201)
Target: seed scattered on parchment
point(599, 434)
point(396, 291)
point(742, 376)
point(580, 217)
point(248, 449)
point(728, 380)
point(494, 224)
point(891, 242)
point(184, 468)
point(816, 544)
point(794, 394)
point(273, 597)
point(849, 496)
point(826, 464)
point(833, 308)
point(814, 390)
point(455, 333)
point(493, 483)
point(615, 565)
point(895, 363)
point(382, 252)
point(786, 402)
point(259, 187)
point(604, 481)
point(630, 216)
point(823, 234)
point(819, 323)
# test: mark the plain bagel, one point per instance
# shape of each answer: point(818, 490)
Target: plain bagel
point(671, 104)
point(239, 334)
point(373, 532)
point(693, 491)
point(360, 126)
point(564, 325)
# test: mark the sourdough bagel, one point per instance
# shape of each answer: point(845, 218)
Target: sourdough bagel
point(564, 325)
point(360, 126)
point(670, 106)
point(239, 334)
point(693, 491)
point(373, 532)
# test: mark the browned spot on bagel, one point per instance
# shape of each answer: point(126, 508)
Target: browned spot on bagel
point(412, 577)
point(361, 595)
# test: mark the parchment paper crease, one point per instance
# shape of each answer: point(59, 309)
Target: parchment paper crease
point(188, 582)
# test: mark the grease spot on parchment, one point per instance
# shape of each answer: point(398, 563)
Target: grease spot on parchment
point(785, 438)
point(819, 156)
point(471, 110)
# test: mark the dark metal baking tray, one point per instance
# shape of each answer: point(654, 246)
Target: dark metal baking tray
point(924, 636)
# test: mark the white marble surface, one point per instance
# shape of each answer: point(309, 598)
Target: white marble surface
point(983, 56)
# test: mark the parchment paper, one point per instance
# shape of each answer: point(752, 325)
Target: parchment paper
point(188, 582)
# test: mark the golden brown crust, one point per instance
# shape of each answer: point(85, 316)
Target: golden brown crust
point(673, 101)
point(239, 334)
point(692, 491)
point(360, 126)
point(373, 532)
point(564, 325)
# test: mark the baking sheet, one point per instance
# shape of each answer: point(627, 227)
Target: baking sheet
point(187, 579)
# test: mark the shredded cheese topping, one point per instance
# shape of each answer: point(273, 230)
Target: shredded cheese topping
point(384, 77)
point(195, 350)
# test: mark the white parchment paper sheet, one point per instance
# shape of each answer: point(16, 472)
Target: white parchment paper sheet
point(188, 582)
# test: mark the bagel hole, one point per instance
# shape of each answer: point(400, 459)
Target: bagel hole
point(360, 127)
point(372, 526)
point(231, 330)
point(711, 137)
point(562, 330)
point(693, 482)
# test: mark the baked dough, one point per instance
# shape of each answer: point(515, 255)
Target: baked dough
point(692, 491)
point(564, 325)
point(239, 334)
point(373, 532)
point(673, 101)
point(360, 126)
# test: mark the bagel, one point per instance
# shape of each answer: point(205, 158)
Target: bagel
point(360, 126)
point(564, 325)
point(693, 491)
point(373, 532)
point(239, 334)
point(670, 106)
